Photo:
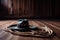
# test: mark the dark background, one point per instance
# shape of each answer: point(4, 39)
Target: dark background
point(31, 9)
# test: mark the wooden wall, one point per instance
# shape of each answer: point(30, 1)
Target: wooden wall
point(22, 8)
point(34, 8)
point(47, 8)
point(3, 9)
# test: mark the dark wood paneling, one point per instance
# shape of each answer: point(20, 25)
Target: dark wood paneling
point(47, 8)
point(23, 8)
point(34, 8)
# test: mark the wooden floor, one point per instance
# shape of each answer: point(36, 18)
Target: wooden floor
point(53, 24)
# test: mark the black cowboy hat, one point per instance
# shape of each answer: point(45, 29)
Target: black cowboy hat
point(22, 25)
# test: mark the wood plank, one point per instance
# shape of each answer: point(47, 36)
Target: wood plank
point(53, 28)
point(14, 37)
point(39, 23)
point(4, 36)
point(54, 38)
point(25, 38)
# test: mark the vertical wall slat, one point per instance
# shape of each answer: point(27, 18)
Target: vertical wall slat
point(18, 8)
point(22, 8)
point(32, 8)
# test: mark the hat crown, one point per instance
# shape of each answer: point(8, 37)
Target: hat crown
point(23, 23)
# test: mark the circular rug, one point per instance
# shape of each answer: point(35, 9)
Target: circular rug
point(31, 31)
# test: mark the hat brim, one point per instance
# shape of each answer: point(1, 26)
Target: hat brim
point(15, 27)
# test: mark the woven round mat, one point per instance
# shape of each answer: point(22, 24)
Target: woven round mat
point(42, 32)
